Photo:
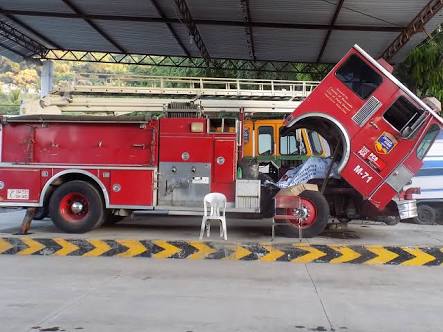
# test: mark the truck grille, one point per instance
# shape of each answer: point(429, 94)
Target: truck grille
point(366, 111)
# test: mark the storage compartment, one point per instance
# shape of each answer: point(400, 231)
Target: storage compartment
point(132, 188)
point(247, 194)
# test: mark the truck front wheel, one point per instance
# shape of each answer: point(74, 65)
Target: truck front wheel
point(76, 207)
point(316, 214)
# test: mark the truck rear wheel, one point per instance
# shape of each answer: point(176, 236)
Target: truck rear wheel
point(316, 209)
point(426, 215)
point(76, 207)
point(41, 213)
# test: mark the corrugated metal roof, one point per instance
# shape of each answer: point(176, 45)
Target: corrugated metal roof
point(288, 45)
point(342, 41)
point(289, 11)
point(70, 33)
point(282, 30)
point(369, 12)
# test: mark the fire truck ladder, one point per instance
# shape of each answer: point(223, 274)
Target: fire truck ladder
point(121, 94)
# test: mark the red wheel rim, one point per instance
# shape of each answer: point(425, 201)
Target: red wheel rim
point(311, 214)
point(74, 207)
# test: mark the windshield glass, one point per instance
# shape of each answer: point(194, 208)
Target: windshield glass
point(427, 141)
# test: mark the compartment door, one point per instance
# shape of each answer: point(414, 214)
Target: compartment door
point(225, 165)
point(132, 188)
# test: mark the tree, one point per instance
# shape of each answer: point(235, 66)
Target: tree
point(422, 71)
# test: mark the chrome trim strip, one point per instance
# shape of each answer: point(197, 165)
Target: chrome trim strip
point(6, 204)
point(68, 171)
point(16, 165)
point(1, 142)
point(347, 147)
point(132, 207)
point(397, 82)
point(155, 188)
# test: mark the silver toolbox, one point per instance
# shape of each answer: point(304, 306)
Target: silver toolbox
point(247, 195)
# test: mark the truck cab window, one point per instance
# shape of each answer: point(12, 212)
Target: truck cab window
point(316, 146)
point(289, 144)
point(265, 141)
point(403, 116)
point(359, 77)
point(427, 141)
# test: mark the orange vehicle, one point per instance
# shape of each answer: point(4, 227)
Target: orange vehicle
point(264, 141)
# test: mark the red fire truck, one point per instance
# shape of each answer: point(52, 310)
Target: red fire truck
point(85, 170)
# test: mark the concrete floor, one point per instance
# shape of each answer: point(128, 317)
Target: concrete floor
point(239, 230)
point(117, 294)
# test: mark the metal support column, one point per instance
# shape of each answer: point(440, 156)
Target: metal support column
point(46, 78)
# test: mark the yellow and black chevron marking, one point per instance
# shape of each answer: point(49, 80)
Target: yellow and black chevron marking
point(296, 253)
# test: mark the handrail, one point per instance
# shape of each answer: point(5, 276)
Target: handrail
point(139, 84)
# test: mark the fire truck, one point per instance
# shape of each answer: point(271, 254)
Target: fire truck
point(85, 170)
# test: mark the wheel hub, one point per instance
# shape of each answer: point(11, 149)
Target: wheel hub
point(301, 213)
point(306, 214)
point(74, 206)
point(77, 207)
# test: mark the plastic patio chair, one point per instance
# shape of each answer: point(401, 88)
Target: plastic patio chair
point(217, 204)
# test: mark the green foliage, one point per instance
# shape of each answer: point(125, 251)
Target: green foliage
point(422, 70)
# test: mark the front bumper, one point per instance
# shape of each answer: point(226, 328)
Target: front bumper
point(407, 208)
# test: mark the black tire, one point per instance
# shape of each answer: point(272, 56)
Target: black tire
point(91, 215)
point(427, 215)
point(41, 213)
point(389, 220)
point(321, 215)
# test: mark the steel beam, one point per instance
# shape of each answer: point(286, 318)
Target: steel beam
point(318, 71)
point(186, 18)
point(207, 22)
point(415, 26)
point(170, 28)
point(93, 25)
point(248, 28)
point(331, 26)
point(11, 33)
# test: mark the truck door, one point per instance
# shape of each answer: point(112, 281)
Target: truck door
point(379, 150)
point(410, 165)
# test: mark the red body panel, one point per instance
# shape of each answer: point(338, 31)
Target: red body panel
point(20, 185)
point(199, 149)
point(136, 187)
point(80, 143)
point(52, 149)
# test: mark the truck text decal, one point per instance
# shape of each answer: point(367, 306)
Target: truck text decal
point(363, 174)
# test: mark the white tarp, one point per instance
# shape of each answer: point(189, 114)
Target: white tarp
point(313, 168)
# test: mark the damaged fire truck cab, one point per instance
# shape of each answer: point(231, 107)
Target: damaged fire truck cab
point(380, 129)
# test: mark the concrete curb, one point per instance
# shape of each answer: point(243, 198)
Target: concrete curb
point(198, 250)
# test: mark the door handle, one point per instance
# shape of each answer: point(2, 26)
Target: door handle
point(373, 124)
point(142, 146)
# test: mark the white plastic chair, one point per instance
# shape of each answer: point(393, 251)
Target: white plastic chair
point(217, 202)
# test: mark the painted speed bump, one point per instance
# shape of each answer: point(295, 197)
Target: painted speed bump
point(192, 250)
